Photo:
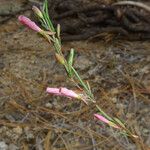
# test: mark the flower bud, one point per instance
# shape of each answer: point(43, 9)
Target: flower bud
point(62, 92)
point(37, 11)
point(30, 24)
point(60, 58)
point(105, 120)
point(58, 30)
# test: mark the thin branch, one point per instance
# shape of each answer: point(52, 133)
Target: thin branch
point(138, 4)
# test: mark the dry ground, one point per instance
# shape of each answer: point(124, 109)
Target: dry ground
point(118, 71)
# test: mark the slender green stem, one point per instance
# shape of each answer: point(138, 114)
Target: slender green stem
point(82, 83)
point(71, 72)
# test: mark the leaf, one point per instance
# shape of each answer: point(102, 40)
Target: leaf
point(58, 31)
point(119, 122)
point(46, 16)
point(70, 63)
point(58, 46)
point(71, 57)
point(80, 80)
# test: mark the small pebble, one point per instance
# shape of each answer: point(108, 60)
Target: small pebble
point(3, 145)
point(82, 63)
point(17, 130)
point(129, 115)
point(114, 100)
point(48, 105)
point(146, 131)
point(29, 133)
point(13, 147)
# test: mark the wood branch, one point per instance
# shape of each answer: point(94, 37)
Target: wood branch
point(133, 3)
point(80, 20)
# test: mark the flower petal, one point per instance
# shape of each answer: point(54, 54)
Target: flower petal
point(54, 91)
point(30, 24)
point(100, 117)
point(68, 93)
point(62, 92)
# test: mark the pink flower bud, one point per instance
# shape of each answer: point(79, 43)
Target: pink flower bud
point(63, 92)
point(54, 91)
point(100, 117)
point(68, 93)
point(103, 119)
point(30, 24)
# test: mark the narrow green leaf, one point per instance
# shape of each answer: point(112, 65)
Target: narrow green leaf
point(46, 16)
point(71, 56)
point(44, 6)
point(57, 44)
point(119, 122)
point(82, 83)
point(58, 31)
point(88, 85)
point(124, 133)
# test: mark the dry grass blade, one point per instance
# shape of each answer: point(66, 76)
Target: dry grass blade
point(25, 146)
point(92, 139)
point(19, 107)
point(65, 143)
point(47, 143)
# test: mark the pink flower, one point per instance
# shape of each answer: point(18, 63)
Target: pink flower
point(30, 24)
point(54, 91)
point(103, 119)
point(100, 117)
point(63, 92)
